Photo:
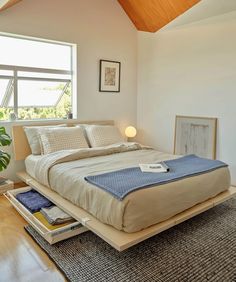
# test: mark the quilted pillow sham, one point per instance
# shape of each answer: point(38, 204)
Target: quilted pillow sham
point(57, 139)
point(103, 135)
point(32, 134)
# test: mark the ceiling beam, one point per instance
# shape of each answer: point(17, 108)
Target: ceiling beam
point(152, 15)
point(5, 4)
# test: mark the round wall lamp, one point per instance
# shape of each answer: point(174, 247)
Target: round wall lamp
point(130, 131)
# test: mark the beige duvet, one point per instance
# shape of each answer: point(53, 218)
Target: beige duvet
point(64, 172)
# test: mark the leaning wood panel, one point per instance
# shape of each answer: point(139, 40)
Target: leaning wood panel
point(151, 15)
point(20, 143)
point(121, 240)
point(5, 4)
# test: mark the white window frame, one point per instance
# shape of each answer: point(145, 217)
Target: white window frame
point(15, 77)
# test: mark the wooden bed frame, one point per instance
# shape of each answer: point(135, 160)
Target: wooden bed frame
point(120, 240)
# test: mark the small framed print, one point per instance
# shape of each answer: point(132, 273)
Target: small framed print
point(109, 80)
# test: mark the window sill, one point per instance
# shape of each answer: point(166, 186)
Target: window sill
point(36, 121)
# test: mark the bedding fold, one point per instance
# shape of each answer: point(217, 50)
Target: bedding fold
point(46, 162)
point(33, 201)
point(55, 215)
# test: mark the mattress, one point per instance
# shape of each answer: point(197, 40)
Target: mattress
point(139, 209)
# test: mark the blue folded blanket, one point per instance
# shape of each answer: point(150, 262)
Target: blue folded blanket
point(122, 182)
point(33, 201)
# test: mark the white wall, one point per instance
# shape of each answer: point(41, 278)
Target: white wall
point(101, 30)
point(189, 70)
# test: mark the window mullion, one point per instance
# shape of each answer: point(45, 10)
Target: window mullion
point(74, 83)
point(15, 93)
point(43, 79)
point(33, 69)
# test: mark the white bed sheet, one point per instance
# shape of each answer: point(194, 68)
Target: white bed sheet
point(30, 163)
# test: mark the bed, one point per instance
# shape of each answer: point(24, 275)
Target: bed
point(139, 209)
point(140, 214)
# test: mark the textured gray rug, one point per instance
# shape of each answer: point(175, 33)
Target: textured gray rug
point(198, 250)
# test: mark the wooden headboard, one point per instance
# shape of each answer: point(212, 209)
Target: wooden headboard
point(20, 143)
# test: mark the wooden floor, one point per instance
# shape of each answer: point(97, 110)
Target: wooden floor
point(21, 259)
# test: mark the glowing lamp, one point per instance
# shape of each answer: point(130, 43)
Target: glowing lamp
point(130, 131)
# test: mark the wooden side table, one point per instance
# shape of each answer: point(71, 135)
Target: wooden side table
point(7, 185)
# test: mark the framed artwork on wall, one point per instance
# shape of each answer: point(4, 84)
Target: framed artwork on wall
point(195, 135)
point(109, 78)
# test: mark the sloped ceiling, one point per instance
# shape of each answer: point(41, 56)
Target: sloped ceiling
point(152, 15)
point(4, 4)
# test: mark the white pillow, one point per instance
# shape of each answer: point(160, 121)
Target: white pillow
point(57, 139)
point(32, 134)
point(103, 135)
point(83, 126)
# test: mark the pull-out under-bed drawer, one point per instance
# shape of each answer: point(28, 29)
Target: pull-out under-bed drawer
point(52, 236)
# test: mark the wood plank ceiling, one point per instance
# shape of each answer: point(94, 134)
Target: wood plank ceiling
point(152, 15)
point(4, 4)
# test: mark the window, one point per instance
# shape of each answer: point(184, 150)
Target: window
point(36, 78)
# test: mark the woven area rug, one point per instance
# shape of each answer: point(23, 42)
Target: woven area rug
point(198, 250)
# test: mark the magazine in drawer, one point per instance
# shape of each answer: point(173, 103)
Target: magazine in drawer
point(52, 236)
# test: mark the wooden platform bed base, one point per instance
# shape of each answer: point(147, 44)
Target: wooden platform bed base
point(118, 239)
